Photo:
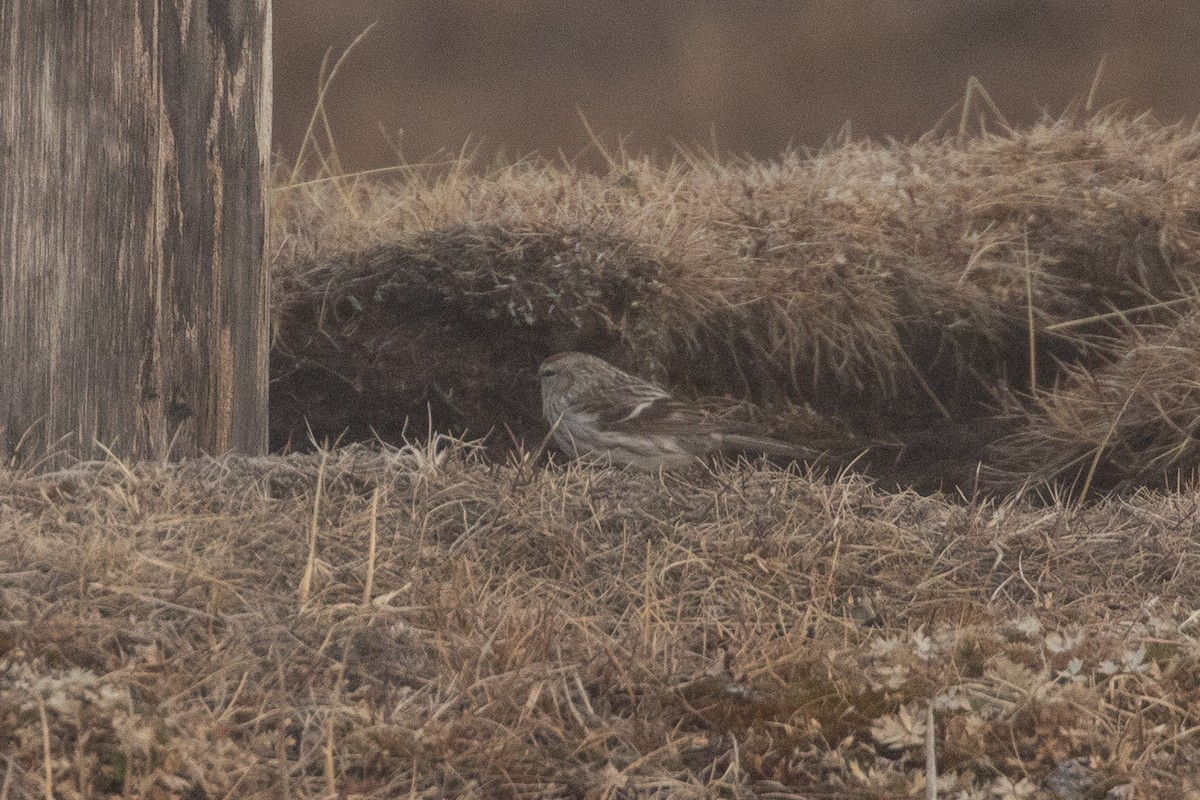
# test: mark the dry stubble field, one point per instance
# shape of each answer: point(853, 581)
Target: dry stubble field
point(994, 575)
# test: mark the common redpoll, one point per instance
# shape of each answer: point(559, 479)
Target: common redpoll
point(598, 412)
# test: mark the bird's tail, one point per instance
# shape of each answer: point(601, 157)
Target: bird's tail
point(740, 443)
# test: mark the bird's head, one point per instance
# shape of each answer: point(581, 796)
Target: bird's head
point(559, 367)
point(563, 371)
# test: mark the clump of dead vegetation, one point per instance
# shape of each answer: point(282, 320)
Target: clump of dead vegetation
point(1132, 422)
point(373, 622)
point(919, 301)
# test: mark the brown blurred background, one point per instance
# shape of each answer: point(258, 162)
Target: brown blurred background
point(508, 75)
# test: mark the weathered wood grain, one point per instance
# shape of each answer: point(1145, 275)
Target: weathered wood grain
point(135, 144)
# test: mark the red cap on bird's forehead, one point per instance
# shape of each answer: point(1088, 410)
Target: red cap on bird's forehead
point(549, 365)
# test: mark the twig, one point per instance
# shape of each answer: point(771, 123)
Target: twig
point(931, 773)
point(371, 544)
point(310, 564)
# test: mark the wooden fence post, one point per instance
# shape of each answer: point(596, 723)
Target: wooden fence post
point(134, 145)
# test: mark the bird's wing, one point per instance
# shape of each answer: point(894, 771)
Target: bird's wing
point(659, 415)
point(642, 407)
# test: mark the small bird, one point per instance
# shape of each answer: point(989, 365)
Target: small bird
point(598, 412)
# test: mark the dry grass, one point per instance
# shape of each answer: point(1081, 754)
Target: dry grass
point(1134, 422)
point(450, 620)
point(886, 295)
point(567, 632)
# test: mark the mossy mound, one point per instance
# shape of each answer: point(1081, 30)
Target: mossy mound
point(908, 299)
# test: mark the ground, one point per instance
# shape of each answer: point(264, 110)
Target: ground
point(372, 622)
point(991, 577)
